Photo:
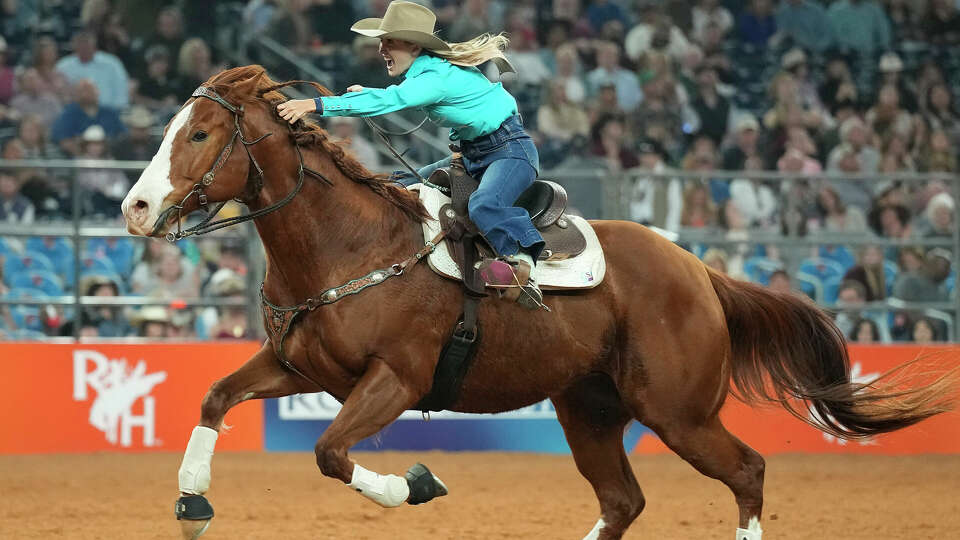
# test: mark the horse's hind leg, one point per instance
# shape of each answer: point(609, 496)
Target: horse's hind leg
point(260, 377)
point(713, 451)
point(379, 397)
point(593, 419)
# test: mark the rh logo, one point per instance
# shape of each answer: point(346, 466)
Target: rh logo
point(118, 387)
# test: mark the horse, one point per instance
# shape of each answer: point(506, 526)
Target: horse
point(662, 340)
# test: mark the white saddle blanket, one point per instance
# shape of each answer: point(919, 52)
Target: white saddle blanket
point(584, 271)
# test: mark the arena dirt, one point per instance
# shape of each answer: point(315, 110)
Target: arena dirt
point(493, 496)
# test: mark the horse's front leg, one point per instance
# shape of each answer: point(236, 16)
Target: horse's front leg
point(260, 377)
point(379, 397)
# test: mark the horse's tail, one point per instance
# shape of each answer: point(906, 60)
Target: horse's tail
point(786, 350)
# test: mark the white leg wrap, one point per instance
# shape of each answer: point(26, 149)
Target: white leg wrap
point(387, 491)
point(752, 532)
point(194, 473)
point(595, 532)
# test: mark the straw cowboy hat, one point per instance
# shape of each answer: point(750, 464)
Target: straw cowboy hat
point(404, 21)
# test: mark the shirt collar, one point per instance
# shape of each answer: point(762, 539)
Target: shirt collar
point(419, 64)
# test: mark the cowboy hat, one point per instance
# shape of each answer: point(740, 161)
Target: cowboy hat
point(404, 21)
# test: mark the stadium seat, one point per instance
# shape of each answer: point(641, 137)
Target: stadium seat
point(811, 285)
point(15, 264)
point(120, 251)
point(23, 315)
point(59, 250)
point(890, 275)
point(25, 334)
point(822, 268)
point(92, 263)
point(840, 254)
point(759, 269)
point(49, 283)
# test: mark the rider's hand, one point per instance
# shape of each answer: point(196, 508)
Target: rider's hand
point(295, 109)
point(354, 88)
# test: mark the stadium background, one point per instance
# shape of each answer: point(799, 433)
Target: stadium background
point(808, 146)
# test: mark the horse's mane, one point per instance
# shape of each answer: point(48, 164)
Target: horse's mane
point(308, 134)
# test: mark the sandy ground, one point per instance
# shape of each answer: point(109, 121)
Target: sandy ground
point(493, 496)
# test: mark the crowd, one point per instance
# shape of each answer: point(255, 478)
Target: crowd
point(799, 87)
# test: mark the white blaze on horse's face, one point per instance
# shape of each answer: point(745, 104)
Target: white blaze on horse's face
point(142, 205)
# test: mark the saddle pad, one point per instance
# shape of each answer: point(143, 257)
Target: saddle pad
point(584, 271)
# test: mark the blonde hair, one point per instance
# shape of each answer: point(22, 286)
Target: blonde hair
point(186, 63)
point(475, 51)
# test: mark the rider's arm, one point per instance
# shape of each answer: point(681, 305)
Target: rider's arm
point(423, 89)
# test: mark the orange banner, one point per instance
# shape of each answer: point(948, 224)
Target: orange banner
point(771, 430)
point(86, 398)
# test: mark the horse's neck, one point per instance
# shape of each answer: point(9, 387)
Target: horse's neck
point(327, 234)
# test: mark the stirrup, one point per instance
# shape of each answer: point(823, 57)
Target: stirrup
point(531, 297)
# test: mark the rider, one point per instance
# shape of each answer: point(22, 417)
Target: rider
point(442, 80)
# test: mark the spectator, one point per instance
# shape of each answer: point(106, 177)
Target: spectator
point(923, 331)
point(655, 31)
point(905, 17)
point(851, 297)
point(475, 19)
point(17, 23)
point(608, 143)
point(710, 11)
point(896, 155)
point(656, 200)
point(103, 189)
point(838, 217)
point(257, 15)
point(560, 121)
point(860, 26)
point(152, 322)
point(942, 24)
point(891, 72)
point(838, 86)
point(757, 24)
point(745, 129)
point(941, 113)
point(45, 56)
point(524, 53)
point(865, 332)
point(664, 115)
point(78, 116)
point(870, 273)
point(891, 221)
point(291, 27)
point(795, 62)
point(887, 117)
point(173, 277)
point(228, 322)
point(712, 109)
point(344, 131)
point(938, 155)
point(366, 69)
point(804, 23)
point(780, 282)
point(608, 70)
point(698, 210)
point(194, 64)
point(600, 12)
point(6, 75)
point(715, 258)
point(798, 154)
point(14, 207)
point(138, 143)
point(168, 32)
point(940, 216)
point(569, 73)
point(755, 201)
point(909, 259)
point(33, 135)
point(159, 87)
point(732, 221)
point(854, 156)
point(926, 284)
point(108, 320)
point(33, 99)
point(103, 69)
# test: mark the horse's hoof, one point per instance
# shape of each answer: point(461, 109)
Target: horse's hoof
point(194, 514)
point(424, 486)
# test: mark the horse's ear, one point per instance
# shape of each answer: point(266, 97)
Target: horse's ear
point(248, 87)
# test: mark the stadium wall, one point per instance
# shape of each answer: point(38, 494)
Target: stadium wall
point(135, 398)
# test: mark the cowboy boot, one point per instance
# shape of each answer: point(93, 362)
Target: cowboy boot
point(529, 295)
point(512, 277)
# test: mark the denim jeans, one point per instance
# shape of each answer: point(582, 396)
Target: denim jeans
point(506, 162)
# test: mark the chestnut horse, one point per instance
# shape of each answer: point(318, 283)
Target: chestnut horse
point(659, 341)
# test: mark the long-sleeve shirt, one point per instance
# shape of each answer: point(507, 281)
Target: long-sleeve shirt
point(107, 73)
point(459, 98)
point(806, 23)
point(861, 26)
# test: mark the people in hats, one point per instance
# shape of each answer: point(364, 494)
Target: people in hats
point(442, 80)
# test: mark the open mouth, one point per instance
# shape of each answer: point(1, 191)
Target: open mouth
point(390, 63)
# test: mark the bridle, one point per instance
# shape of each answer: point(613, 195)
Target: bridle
point(208, 225)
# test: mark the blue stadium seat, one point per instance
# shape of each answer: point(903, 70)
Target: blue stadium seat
point(96, 264)
point(25, 334)
point(890, 275)
point(120, 251)
point(822, 268)
point(758, 269)
point(47, 282)
point(15, 264)
point(839, 254)
point(59, 250)
point(25, 316)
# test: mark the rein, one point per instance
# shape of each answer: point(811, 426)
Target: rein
point(208, 225)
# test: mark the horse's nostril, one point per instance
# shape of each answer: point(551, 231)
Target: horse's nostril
point(140, 205)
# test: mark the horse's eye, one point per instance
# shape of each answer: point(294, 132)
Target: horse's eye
point(200, 136)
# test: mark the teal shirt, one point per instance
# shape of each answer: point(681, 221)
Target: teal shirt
point(460, 98)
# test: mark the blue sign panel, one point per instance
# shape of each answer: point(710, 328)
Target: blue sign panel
point(294, 423)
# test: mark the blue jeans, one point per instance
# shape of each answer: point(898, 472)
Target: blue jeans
point(506, 162)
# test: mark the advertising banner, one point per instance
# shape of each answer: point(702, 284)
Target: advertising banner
point(92, 397)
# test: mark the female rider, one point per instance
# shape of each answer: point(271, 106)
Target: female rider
point(442, 80)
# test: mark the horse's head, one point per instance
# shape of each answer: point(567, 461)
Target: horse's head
point(201, 159)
